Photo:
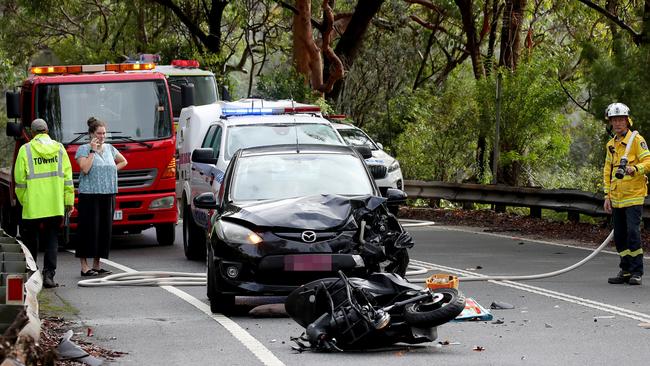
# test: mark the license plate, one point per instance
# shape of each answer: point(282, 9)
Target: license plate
point(117, 215)
point(308, 262)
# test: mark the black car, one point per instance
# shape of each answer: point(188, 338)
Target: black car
point(290, 214)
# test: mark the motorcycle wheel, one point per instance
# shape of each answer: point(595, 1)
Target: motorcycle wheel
point(436, 312)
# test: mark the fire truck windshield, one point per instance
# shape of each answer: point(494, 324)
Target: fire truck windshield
point(137, 109)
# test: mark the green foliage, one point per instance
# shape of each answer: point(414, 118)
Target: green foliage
point(439, 139)
point(285, 83)
point(533, 131)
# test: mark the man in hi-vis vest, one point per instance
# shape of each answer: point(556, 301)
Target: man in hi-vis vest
point(44, 188)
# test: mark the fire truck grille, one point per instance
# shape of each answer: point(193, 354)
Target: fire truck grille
point(378, 171)
point(129, 178)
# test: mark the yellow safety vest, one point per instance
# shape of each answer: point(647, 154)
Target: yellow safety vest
point(631, 189)
point(43, 176)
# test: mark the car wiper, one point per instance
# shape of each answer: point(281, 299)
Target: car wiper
point(81, 134)
point(131, 139)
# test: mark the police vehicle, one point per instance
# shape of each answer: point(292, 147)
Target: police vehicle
point(226, 127)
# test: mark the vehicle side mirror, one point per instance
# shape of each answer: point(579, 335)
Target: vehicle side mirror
point(187, 95)
point(365, 151)
point(395, 197)
point(204, 155)
point(13, 129)
point(206, 201)
point(13, 105)
point(380, 146)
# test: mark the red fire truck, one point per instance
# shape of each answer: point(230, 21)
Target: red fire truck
point(137, 108)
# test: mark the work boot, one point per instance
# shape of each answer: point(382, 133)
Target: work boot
point(621, 277)
point(635, 280)
point(48, 282)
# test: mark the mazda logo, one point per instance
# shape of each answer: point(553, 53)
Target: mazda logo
point(308, 236)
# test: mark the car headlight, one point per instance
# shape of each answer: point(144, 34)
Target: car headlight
point(235, 234)
point(394, 166)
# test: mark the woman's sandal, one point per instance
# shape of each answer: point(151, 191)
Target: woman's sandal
point(102, 271)
point(89, 273)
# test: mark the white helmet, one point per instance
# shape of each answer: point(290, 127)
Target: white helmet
point(617, 109)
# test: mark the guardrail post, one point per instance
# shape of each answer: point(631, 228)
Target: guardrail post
point(500, 208)
point(536, 212)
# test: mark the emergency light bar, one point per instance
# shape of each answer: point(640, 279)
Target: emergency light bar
point(193, 64)
point(77, 69)
point(267, 111)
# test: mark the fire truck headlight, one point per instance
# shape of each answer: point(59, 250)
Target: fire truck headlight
point(165, 202)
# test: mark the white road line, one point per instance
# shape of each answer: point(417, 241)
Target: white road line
point(545, 292)
point(415, 223)
point(262, 353)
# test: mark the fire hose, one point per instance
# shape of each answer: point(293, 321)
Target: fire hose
point(160, 278)
point(529, 277)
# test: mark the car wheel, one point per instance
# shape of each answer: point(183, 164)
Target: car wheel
point(220, 303)
point(193, 237)
point(165, 234)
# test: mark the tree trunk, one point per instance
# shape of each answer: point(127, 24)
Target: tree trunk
point(472, 45)
point(510, 33)
point(351, 40)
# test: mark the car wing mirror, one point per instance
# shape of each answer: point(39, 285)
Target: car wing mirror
point(187, 95)
point(395, 196)
point(364, 151)
point(204, 155)
point(206, 201)
point(13, 104)
point(380, 146)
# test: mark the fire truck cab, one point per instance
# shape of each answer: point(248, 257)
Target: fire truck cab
point(137, 109)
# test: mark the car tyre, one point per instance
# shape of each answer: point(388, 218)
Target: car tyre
point(220, 303)
point(166, 234)
point(193, 236)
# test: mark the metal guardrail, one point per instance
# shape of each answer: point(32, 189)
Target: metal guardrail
point(563, 200)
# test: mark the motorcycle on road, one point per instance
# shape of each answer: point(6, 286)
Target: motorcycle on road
point(383, 309)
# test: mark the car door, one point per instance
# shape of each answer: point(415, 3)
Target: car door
point(204, 175)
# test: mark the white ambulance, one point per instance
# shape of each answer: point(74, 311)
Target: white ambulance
point(226, 127)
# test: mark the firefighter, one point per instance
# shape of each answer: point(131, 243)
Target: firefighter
point(626, 163)
point(44, 188)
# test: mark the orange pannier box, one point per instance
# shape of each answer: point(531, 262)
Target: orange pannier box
point(442, 280)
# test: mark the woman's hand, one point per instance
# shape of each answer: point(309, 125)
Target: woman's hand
point(95, 144)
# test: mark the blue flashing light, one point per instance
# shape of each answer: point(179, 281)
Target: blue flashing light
point(250, 111)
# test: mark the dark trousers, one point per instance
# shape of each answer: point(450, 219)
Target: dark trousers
point(95, 225)
point(627, 235)
point(43, 233)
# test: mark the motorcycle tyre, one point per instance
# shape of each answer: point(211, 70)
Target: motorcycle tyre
point(422, 315)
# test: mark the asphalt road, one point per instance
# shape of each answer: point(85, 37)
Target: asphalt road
point(572, 319)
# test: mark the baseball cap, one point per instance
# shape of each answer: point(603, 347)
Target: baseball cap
point(39, 125)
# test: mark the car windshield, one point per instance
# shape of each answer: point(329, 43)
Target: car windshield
point(205, 90)
point(264, 177)
point(354, 137)
point(244, 136)
point(138, 109)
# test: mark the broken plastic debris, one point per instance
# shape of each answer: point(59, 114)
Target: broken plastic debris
point(68, 350)
point(478, 348)
point(89, 333)
point(547, 325)
point(447, 343)
point(644, 325)
point(474, 311)
point(500, 305)
point(268, 311)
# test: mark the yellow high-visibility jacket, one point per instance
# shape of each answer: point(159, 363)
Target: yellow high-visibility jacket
point(43, 176)
point(631, 189)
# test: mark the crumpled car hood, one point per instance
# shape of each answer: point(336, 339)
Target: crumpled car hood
point(317, 212)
